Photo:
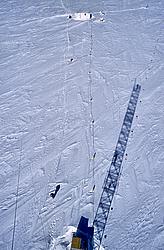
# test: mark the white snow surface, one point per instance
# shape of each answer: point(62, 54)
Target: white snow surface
point(54, 115)
point(63, 242)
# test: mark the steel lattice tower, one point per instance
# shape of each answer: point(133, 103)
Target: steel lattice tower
point(111, 179)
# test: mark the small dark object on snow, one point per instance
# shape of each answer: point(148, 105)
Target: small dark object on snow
point(70, 16)
point(71, 59)
point(52, 195)
point(56, 190)
point(105, 236)
point(111, 208)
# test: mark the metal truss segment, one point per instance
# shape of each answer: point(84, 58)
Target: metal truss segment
point(111, 180)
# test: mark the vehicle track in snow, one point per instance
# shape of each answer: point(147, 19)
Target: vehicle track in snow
point(45, 103)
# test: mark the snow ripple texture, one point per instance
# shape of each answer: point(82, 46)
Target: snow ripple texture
point(64, 88)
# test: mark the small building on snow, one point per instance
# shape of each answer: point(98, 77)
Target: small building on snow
point(82, 16)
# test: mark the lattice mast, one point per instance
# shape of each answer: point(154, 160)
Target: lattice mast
point(111, 179)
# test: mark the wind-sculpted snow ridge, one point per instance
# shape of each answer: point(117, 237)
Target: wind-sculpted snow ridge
point(64, 89)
